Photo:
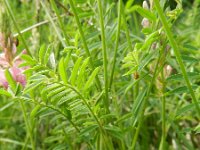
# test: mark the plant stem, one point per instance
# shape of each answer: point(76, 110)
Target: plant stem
point(177, 53)
point(136, 87)
point(144, 105)
point(117, 40)
point(106, 138)
point(27, 124)
point(61, 26)
point(53, 24)
point(36, 25)
point(60, 21)
point(104, 54)
point(83, 39)
point(162, 143)
point(57, 110)
point(136, 23)
point(195, 10)
point(16, 26)
point(127, 31)
point(85, 102)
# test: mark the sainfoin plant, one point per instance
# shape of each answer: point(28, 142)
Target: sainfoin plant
point(99, 75)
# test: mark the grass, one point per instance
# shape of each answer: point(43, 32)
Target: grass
point(101, 75)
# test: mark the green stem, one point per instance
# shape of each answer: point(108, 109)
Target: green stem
point(79, 27)
point(136, 90)
point(36, 25)
point(52, 108)
point(136, 87)
point(27, 124)
point(61, 26)
point(127, 31)
point(60, 21)
point(85, 102)
point(117, 41)
point(53, 24)
point(195, 10)
point(104, 54)
point(162, 143)
point(57, 110)
point(83, 39)
point(144, 105)
point(136, 23)
point(106, 138)
point(176, 52)
point(16, 26)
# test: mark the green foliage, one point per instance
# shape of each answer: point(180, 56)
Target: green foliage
point(98, 78)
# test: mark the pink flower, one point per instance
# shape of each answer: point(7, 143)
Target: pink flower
point(3, 62)
point(16, 72)
point(18, 75)
point(3, 81)
point(10, 62)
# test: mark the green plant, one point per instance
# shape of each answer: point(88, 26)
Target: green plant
point(106, 75)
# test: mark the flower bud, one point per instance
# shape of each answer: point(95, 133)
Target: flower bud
point(168, 70)
point(145, 5)
point(145, 23)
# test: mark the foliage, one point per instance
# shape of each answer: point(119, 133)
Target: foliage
point(101, 75)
